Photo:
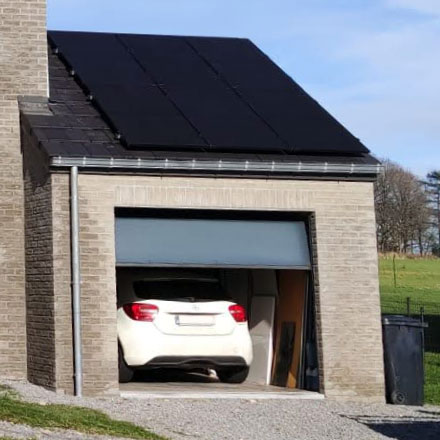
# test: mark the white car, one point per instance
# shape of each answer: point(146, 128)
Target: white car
point(182, 322)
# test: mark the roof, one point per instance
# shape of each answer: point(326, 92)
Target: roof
point(80, 128)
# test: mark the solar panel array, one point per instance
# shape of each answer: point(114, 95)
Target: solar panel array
point(223, 94)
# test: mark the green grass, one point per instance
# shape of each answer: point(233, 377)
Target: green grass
point(15, 438)
point(416, 278)
point(6, 390)
point(432, 378)
point(74, 418)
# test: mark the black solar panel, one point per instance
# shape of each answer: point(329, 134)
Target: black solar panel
point(188, 92)
point(293, 114)
point(127, 96)
point(223, 118)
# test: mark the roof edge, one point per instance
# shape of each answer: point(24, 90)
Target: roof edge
point(218, 166)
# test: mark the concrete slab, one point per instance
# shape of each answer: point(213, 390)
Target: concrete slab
point(198, 386)
point(243, 395)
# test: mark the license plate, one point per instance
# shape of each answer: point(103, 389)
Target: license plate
point(196, 320)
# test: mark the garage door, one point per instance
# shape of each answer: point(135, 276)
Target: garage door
point(180, 242)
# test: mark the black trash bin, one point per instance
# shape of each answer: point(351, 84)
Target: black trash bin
point(403, 356)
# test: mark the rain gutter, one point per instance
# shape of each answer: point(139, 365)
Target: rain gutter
point(244, 166)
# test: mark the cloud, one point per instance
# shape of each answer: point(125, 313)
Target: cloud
point(431, 7)
point(388, 91)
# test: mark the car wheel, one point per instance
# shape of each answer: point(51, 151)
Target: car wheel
point(233, 375)
point(125, 372)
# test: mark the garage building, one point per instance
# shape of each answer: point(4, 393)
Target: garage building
point(197, 154)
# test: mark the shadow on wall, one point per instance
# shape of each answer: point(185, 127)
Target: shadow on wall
point(424, 427)
point(432, 333)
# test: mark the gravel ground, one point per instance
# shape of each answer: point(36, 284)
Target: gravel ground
point(181, 419)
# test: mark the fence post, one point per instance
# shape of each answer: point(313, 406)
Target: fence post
point(422, 319)
point(408, 306)
point(394, 271)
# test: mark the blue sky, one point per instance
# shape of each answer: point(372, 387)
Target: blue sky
point(374, 64)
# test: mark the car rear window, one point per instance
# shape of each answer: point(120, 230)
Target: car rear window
point(180, 290)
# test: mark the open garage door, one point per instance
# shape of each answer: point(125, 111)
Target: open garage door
point(261, 261)
point(147, 241)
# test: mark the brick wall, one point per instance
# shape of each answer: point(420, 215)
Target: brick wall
point(47, 258)
point(23, 71)
point(62, 282)
point(348, 312)
point(98, 297)
point(40, 324)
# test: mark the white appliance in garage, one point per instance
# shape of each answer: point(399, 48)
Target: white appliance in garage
point(261, 324)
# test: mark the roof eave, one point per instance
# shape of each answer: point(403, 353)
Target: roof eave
point(218, 166)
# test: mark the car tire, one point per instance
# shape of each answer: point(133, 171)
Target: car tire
point(125, 372)
point(233, 375)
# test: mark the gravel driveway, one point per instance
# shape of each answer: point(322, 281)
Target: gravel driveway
point(249, 419)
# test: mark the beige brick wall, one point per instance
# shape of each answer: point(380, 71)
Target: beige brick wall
point(348, 311)
point(62, 283)
point(23, 71)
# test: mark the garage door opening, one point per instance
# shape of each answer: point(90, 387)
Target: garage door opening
point(259, 262)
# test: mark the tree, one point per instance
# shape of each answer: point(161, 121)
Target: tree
point(402, 212)
point(432, 184)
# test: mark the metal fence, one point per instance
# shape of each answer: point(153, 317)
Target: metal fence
point(429, 312)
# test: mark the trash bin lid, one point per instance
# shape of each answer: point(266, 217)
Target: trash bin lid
point(403, 320)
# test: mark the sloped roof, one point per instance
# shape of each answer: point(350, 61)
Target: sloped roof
point(201, 93)
point(80, 127)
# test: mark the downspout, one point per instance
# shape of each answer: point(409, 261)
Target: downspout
point(76, 281)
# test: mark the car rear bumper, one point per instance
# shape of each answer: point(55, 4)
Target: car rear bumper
point(142, 343)
point(191, 362)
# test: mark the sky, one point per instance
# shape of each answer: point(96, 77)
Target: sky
point(373, 64)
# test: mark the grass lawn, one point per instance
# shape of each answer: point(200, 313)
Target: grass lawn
point(432, 378)
point(418, 279)
point(85, 420)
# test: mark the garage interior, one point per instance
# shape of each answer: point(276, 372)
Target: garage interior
point(263, 263)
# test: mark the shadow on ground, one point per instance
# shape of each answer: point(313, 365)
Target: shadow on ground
point(424, 427)
point(170, 375)
point(409, 430)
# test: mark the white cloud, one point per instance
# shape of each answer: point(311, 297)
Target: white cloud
point(389, 92)
point(421, 6)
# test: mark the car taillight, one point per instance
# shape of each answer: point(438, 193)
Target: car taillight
point(141, 311)
point(238, 313)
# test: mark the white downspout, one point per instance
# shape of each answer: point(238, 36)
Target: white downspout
point(76, 281)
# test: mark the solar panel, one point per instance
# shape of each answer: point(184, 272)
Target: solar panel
point(302, 122)
point(166, 92)
point(293, 114)
point(224, 119)
point(127, 96)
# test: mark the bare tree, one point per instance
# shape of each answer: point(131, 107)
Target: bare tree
point(402, 212)
point(432, 185)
